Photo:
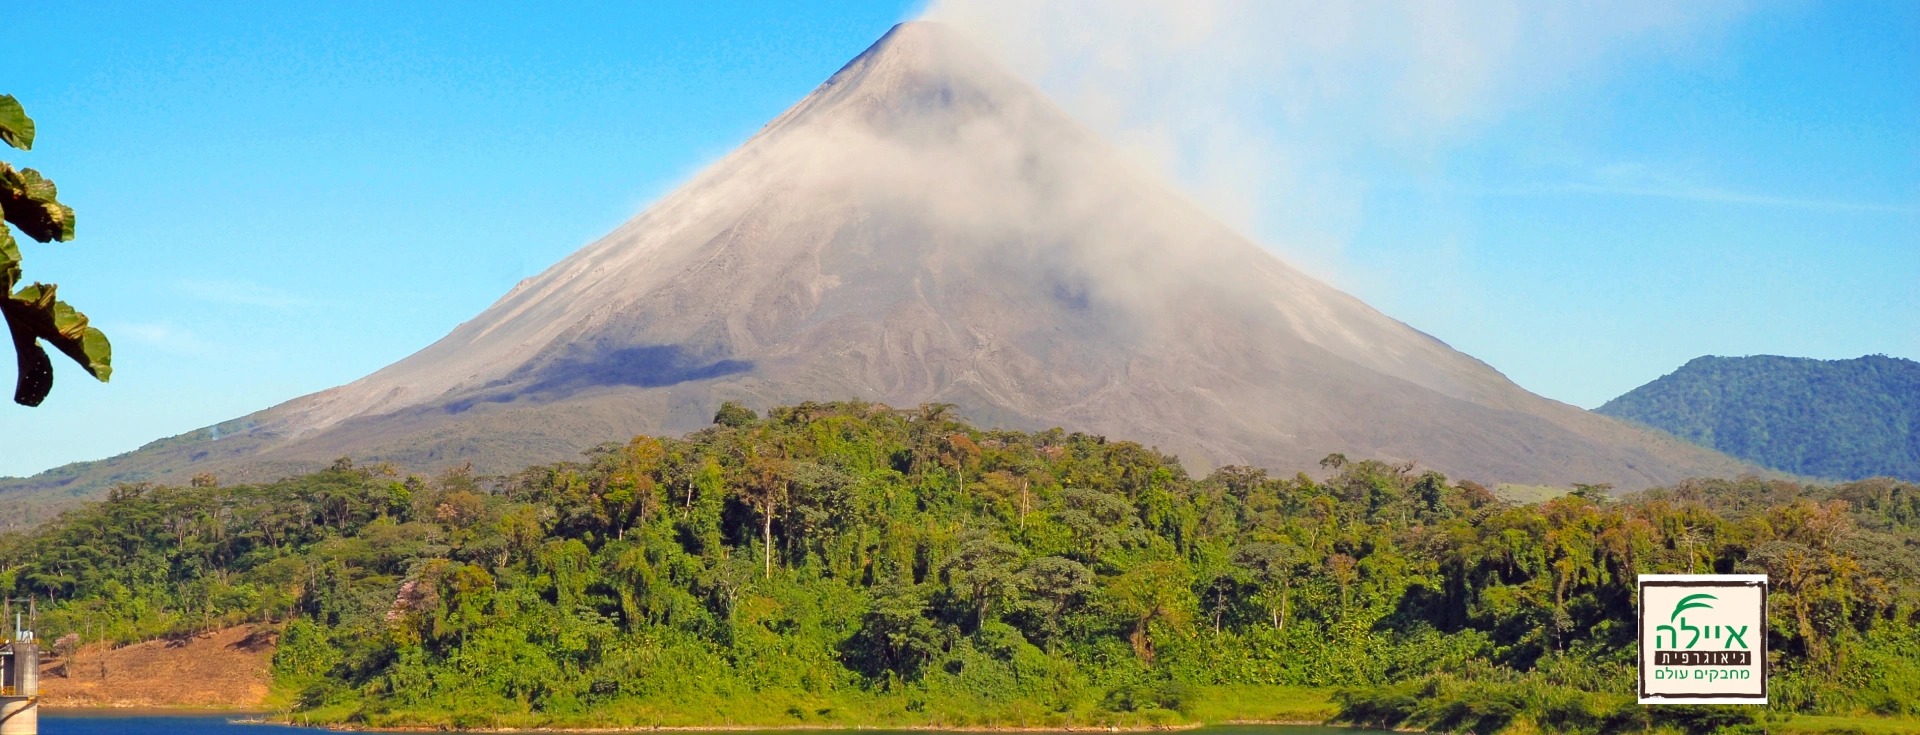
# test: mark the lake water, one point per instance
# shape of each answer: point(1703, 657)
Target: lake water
point(75, 723)
point(114, 723)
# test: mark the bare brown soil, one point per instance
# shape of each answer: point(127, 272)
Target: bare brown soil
point(223, 669)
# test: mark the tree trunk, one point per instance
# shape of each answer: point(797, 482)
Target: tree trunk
point(1285, 593)
point(766, 532)
point(1023, 504)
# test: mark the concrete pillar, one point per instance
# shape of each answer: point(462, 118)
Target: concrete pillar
point(19, 716)
point(27, 655)
point(20, 700)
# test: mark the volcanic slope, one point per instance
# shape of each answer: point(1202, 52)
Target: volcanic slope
point(926, 227)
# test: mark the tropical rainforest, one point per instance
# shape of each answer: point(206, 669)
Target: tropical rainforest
point(1842, 419)
point(852, 564)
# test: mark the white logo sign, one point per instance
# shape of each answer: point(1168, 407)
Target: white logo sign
point(1703, 639)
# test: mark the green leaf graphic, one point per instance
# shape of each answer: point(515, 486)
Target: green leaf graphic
point(1690, 602)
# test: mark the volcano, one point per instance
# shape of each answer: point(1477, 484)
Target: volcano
point(927, 227)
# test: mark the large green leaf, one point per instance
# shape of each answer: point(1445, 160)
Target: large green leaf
point(30, 202)
point(32, 313)
point(16, 129)
point(9, 261)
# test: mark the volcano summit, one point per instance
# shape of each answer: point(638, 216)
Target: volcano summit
point(926, 227)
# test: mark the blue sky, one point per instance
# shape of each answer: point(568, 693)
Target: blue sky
point(278, 199)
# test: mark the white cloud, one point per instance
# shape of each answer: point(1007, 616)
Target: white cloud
point(1719, 195)
point(1642, 180)
point(164, 336)
point(243, 293)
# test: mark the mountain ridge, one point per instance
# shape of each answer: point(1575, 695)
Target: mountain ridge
point(1840, 419)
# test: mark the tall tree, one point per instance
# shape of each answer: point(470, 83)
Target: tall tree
point(984, 570)
point(1275, 565)
point(765, 488)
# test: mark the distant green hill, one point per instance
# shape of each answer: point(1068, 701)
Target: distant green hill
point(1841, 419)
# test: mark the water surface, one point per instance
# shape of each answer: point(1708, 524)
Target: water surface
point(117, 723)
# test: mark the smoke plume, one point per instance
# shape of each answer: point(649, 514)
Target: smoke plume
point(1272, 113)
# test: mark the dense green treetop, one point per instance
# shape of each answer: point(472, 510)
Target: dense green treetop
point(1839, 419)
point(848, 563)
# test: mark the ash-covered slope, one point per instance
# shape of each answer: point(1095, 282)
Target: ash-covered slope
point(926, 227)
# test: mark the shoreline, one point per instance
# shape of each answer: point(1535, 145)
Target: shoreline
point(269, 717)
point(135, 710)
point(821, 728)
point(750, 728)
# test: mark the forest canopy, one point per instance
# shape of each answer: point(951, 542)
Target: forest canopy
point(849, 563)
point(1842, 419)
